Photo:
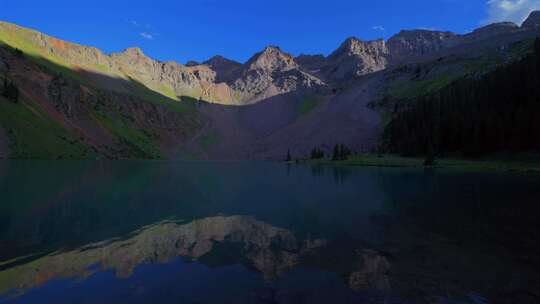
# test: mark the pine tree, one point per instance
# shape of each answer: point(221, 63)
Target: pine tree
point(288, 159)
point(335, 155)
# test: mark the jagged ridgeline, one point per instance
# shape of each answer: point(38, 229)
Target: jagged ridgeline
point(475, 116)
point(63, 100)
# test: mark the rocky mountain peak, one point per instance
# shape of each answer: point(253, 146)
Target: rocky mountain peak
point(133, 52)
point(355, 58)
point(272, 58)
point(353, 47)
point(224, 68)
point(533, 21)
point(221, 62)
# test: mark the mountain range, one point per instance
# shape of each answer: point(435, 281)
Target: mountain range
point(75, 101)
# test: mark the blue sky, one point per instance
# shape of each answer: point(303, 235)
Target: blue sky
point(198, 29)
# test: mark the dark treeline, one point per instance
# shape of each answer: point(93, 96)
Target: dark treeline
point(496, 112)
point(341, 152)
point(317, 153)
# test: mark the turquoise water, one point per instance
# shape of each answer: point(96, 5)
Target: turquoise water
point(256, 232)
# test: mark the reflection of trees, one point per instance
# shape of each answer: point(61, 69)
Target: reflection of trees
point(341, 174)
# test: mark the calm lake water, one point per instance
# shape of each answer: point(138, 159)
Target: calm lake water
point(255, 232)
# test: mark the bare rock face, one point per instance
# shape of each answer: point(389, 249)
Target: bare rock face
point(533, 21)
point(269, 73)
point(416, 43)
point(272, 59)
point(356, 58)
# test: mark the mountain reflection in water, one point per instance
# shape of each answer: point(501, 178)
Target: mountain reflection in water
point(264, 233)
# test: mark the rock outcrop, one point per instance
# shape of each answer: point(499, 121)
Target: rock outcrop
point(416, 43)
point(356, 58)
point(170, 78)
point(269, 73)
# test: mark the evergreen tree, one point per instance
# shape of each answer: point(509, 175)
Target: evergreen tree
point(18, 53)
point(288, 159)
point(473, 116)
point(335, 155)
point(317, 153)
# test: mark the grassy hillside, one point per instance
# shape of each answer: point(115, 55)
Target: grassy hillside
point(52, 133)
point(33, 134)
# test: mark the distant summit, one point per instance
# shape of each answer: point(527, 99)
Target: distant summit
point(224, 68)
point(356, 57)
point(414, 43)
point(533, 21)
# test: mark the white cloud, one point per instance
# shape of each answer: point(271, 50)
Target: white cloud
point(379, 28)
point(147, 36)
point(510, 10)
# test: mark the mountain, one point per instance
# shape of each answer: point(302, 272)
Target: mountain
point(269, 73)
point(64, 100)
point(492, 30)
point(532, 22)
point(356, 58)
point(223, 67)
point(416, 43)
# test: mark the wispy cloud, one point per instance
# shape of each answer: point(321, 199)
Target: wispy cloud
point(379, 28)
point(144, 30)
point(510, 10)
point(147, 36)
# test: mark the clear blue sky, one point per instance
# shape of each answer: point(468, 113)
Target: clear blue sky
point(198, 29)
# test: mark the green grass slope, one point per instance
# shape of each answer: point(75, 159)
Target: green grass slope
point(32, 134)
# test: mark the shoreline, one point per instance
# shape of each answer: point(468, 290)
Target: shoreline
point(393, 161)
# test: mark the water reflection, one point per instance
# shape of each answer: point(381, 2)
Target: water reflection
point(215, 241)
point(286, 233)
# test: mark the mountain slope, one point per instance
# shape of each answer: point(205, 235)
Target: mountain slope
point(73, 101)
